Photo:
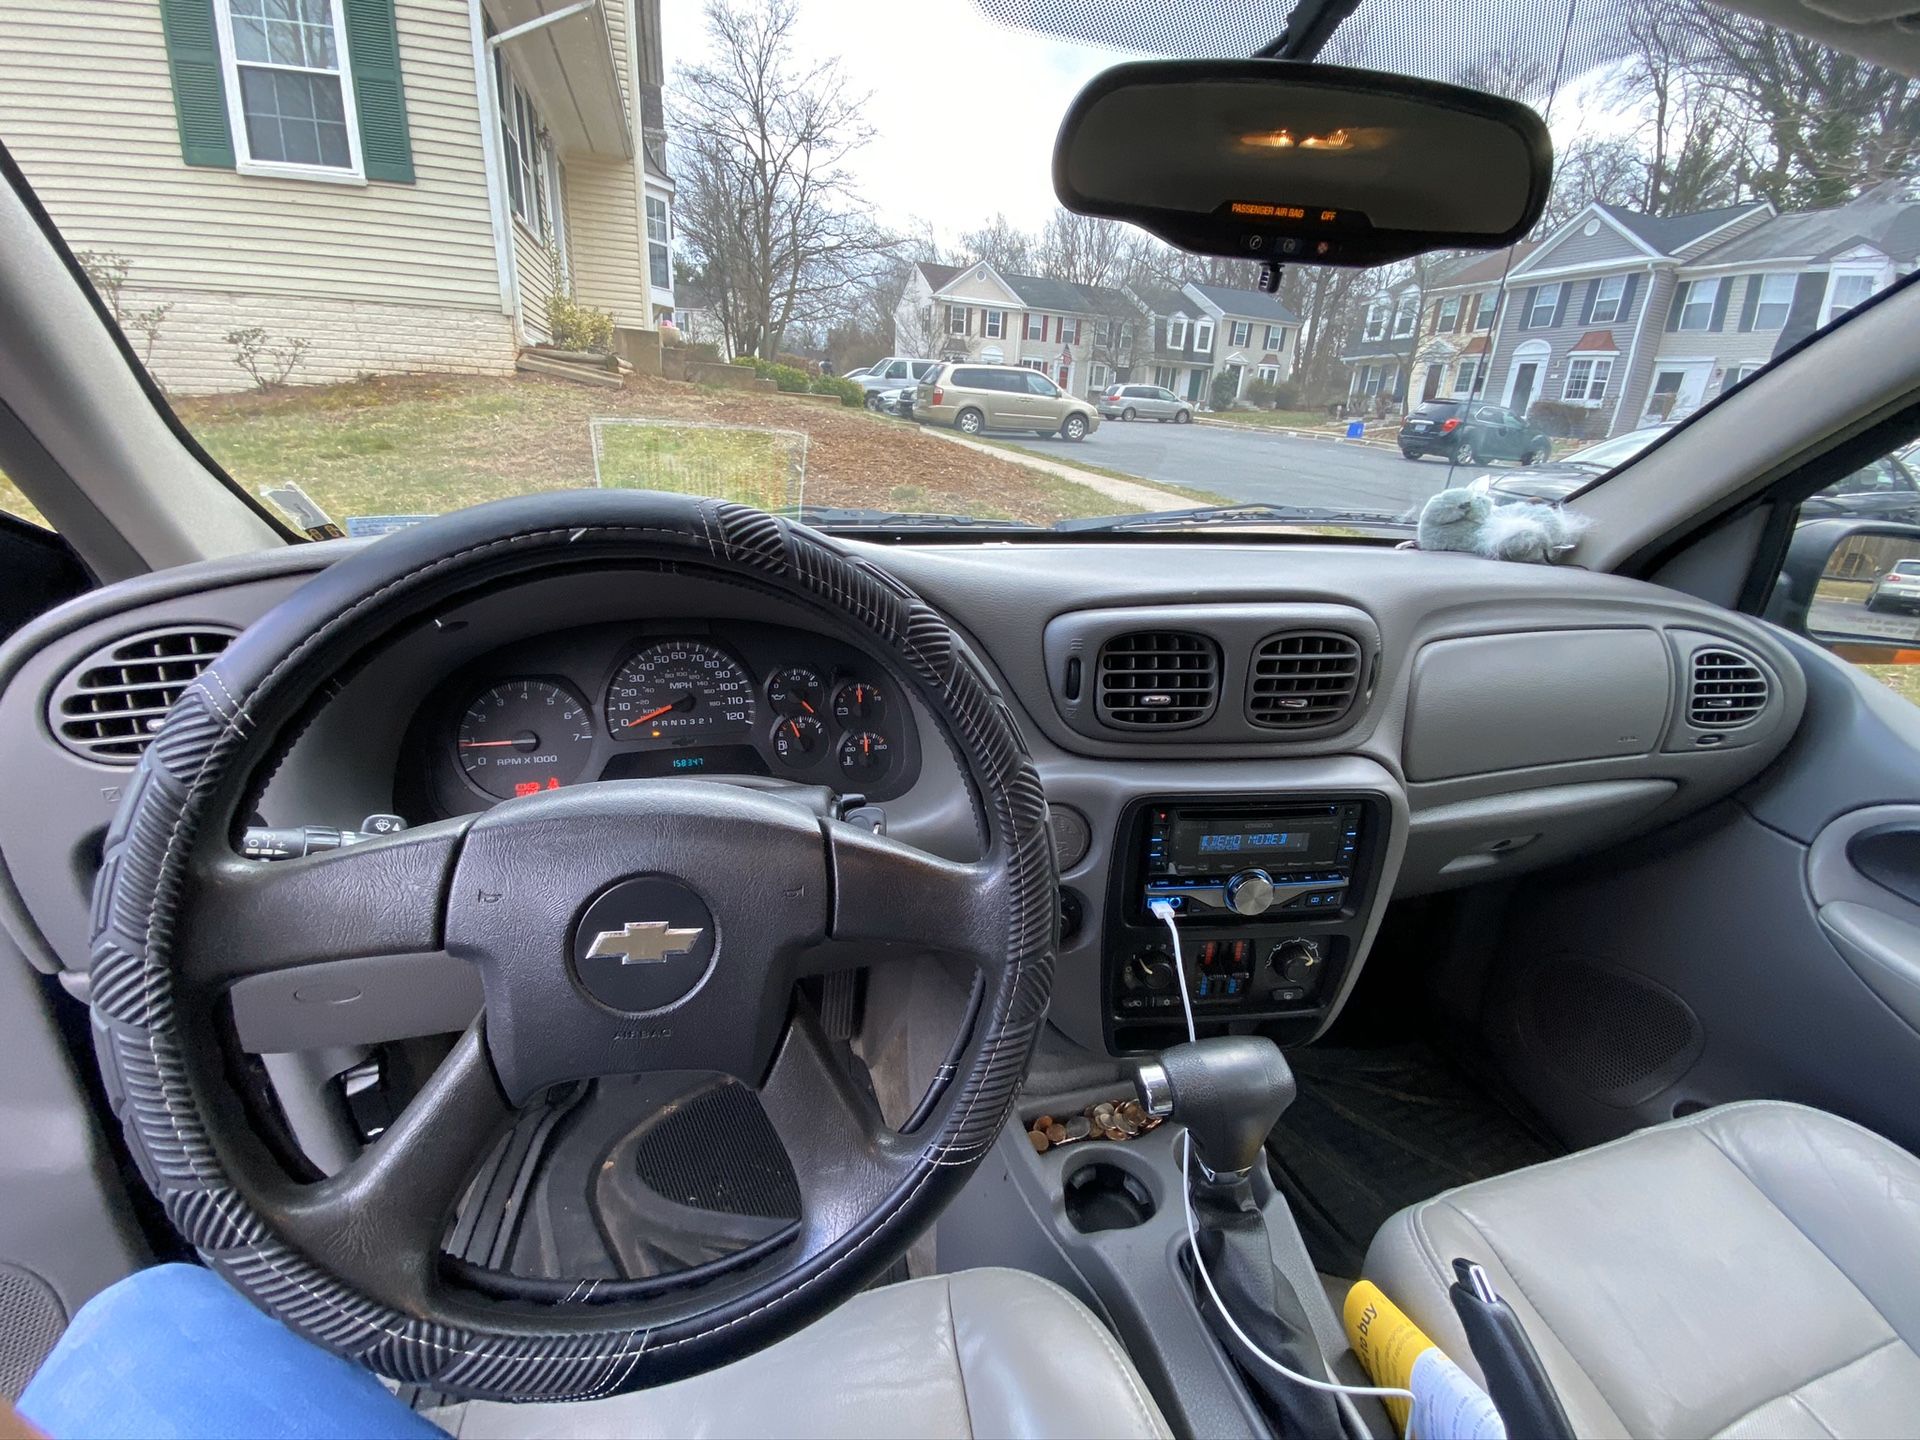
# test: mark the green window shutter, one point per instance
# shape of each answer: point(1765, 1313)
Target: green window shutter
point(373, 54)
point(199, 92)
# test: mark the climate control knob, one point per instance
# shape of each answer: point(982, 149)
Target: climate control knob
point(1250, 892)
point(1296, 962)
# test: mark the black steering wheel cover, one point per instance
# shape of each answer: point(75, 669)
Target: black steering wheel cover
point(226, 721)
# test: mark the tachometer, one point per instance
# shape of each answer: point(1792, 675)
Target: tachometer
point(524, 735)
point(679, 690)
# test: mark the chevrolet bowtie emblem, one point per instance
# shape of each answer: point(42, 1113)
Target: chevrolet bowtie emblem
point(643, 942)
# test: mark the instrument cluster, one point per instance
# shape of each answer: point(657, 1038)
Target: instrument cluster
point(618, 703)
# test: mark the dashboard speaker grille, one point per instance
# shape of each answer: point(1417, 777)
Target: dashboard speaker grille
point(109, 705)
point(1303, 680)
point(1727, 689)
point(1157, 679)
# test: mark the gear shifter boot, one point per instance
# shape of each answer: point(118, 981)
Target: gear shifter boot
point(1233, 1242)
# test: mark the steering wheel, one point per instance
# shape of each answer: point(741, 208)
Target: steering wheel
point(738, 892)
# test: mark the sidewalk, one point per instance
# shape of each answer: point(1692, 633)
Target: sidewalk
point(1295, 431)
point(1127, 492)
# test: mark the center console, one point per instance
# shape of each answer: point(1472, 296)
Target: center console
point(1271, 898)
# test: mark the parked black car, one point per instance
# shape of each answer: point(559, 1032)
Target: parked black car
point(1470, 431)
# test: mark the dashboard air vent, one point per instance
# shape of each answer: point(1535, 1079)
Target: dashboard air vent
point(109, 705)
point(1303, 680)
point(1727, 689)
point(1157, 679)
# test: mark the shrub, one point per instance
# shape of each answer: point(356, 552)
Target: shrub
point(849, 391)
point(785, 377)
point(1286, 395)
point(1567, 422)
point(579, 327)
point(269, 365)
point(1259, 394)
point(747, 360)
point(1223, 392)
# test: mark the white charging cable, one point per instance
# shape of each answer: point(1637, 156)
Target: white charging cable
point(1385, 1392)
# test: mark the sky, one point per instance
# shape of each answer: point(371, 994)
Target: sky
point(965, 110)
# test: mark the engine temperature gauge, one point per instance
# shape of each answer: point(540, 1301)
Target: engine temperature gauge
point(866, 754)
point(798, 738)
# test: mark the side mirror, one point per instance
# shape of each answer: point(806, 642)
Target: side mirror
point(1854, 584)
point(1314, 164)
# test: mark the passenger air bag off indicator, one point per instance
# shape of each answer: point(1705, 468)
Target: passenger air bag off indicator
point(1447, 1405)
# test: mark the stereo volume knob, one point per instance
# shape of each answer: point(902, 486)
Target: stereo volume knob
point(1250, 892)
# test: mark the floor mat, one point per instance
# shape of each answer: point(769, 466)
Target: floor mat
point(1374, 1130)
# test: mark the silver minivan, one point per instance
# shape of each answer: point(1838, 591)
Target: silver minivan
point(1144, 402)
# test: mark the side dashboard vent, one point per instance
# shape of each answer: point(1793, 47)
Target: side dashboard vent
point(109, 705)
point(1304, 680)
point(1157, 679)
point(1726, 689)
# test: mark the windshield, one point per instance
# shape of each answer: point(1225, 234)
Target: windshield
point(387, 258)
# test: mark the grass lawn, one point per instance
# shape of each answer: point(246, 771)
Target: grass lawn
point(428, 444)
point(1291, 419)
point(1903, 680)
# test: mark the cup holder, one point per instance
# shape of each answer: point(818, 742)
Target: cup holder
point(1105, 1197)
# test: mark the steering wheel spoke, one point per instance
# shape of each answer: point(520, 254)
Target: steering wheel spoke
point(845, 1157)
point(384, 896)
point(888, 892)
point(380, 1220)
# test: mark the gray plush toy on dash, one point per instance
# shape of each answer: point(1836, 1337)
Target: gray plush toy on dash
point(1529, 532)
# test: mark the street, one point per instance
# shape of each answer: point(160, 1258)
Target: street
point(1248, 465)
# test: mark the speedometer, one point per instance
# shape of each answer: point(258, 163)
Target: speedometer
point(678, 691)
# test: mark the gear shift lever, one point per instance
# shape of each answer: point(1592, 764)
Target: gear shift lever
point(1228, 1091)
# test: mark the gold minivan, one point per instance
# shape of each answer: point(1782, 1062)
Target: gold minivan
point(972, 398)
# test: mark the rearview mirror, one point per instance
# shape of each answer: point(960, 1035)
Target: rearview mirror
point(1310, 164)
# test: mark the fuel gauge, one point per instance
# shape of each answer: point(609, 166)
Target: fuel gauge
point(798, 738)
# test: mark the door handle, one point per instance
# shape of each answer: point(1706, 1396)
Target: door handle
point(1882, 949)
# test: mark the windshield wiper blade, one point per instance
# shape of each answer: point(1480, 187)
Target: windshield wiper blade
point(854, 518)
point(1257, 512)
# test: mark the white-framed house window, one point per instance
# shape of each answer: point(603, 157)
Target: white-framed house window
point(1405, 314)
point(659, 242)
point(289, 93)
point(1033, 364)
point(1484, 311)
point(1466, 375)
point(1607, 296)
point(1241, 333)
point(1376, 327)
point(1546, 301)
point(1587, 377)
point(1776, 299)
point(528, 156)
point(1696, 308)
point(1276, 337)
point(1448, 317)
point(1847, 288)
point(956, 319)
point(1177, 334)
point(1268, 373)
point(1203, 337)
point(1097, 375)
point(996, 323)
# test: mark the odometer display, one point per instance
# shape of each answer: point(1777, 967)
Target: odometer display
point(679, 691)
point(524, 735)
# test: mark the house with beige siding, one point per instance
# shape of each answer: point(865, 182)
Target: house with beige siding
point(397, 185)
point(1081, 336)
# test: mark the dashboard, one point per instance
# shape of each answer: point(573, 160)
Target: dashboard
point(1437, 720)
point(628, 701)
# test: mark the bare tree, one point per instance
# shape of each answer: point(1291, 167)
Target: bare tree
point(766, 205)
point(1002, 244)
point(1612, 171)
point(1089, 251)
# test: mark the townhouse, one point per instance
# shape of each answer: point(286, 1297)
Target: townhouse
point(1619, 320)
point(1089, 336)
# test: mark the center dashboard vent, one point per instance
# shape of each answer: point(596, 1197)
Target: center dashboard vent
point(1726, 689)
point(1157, 679)
point(109, 705)
point(1303, 680)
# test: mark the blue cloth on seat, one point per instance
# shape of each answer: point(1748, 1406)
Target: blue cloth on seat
point(175, 1353)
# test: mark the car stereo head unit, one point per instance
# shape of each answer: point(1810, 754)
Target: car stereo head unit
point(1226, 862)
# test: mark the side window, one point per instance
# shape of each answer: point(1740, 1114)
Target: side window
point(897, 370)
point(13, 503)
point(1851, 580)
point(1038, 384)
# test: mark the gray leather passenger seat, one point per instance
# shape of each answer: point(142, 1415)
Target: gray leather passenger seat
point(1752, 1270)
point(978, 1353)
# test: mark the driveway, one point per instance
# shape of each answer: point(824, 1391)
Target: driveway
point(1249, 465)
